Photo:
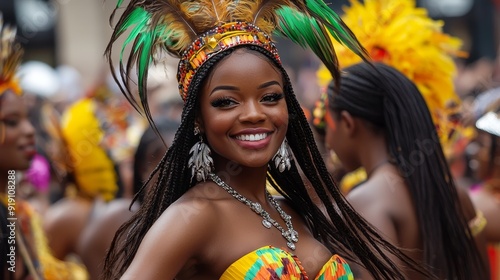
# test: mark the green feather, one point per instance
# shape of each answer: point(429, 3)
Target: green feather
point(337, 28)
point(309, 33)
point(139, 17)
point(142, 39)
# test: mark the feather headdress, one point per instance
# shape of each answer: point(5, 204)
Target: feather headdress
point(401, 35)
point(10, 58)
point(196, 30)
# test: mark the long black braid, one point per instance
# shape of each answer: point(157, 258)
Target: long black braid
point(392, 103)
point(343, 229)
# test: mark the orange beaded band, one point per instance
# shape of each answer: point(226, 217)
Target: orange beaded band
point(216, 40)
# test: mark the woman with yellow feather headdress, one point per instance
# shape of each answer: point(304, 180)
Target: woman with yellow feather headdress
point(24, 252)
point(208, 215)
point(383, 118)
point(397, 33)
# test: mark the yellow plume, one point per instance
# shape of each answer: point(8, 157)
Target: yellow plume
point(401, 35)
point(10, 58)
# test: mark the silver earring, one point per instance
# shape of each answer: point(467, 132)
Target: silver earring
point(283, 158)
point(200, 161)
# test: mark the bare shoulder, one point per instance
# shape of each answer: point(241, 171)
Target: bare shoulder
point(466, 203)
point(105, 224)
point(199, 204)
point(385, 192)
point(197, 212)
point(68, 211)
point(178, 237)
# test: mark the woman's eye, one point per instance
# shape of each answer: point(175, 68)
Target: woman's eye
point(223, 102)
point(273, 97)
point(10, 122)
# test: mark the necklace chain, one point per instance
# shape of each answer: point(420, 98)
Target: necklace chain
point(289, 234)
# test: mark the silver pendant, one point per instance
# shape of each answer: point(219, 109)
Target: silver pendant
point(290, 234)
point(266, 224)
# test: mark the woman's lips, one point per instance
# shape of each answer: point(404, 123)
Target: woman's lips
point(29, 150)
point(253, 141)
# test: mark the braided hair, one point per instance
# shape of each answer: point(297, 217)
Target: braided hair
point(152, 137)
point(392, 104)
point(342, 229)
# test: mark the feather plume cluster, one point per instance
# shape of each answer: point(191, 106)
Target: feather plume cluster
point(401, 35)
point(10, 58)
point(156, 26)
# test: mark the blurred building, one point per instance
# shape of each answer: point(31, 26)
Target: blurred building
point(472, 20)
point(75, 32)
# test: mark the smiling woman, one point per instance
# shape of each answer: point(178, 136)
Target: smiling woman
point(208, 215)
point(251, 117)
point(17, 134)
point(24, 254)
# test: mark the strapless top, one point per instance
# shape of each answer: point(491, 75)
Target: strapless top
point(273, 263)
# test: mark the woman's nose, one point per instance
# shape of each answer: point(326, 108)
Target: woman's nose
point(252, 112)
point(27, 128)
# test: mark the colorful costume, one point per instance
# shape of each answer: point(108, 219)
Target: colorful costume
point(35, 251)
point(273, 263)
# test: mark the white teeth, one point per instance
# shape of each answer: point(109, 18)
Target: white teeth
point(251, 137)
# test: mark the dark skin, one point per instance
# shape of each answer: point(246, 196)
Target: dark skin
point(487, 198)
point(63, 224)
point(17, 144)
point(207, 228)
point(17, 135)
point(98, 235)
point(96, 238)
point(384, 198)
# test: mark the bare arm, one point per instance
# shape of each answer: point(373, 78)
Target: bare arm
point(173, 241)
point(470, 213)
point(98, 235)
point(374, 211)
point(63, 224)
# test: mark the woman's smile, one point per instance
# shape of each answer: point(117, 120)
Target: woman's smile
point(256, 140)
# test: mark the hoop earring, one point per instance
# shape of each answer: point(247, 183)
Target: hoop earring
point(283, 157)
point(200, 161)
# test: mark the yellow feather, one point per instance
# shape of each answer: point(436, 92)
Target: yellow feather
point(398, 33)
point(10, 58)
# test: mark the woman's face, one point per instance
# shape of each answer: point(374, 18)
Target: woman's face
point(337, 140)
point(17, 135)
point(243, 111)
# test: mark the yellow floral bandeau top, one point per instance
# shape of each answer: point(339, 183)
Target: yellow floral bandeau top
point(273, 263)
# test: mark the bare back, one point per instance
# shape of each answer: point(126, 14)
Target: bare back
point(384, 201)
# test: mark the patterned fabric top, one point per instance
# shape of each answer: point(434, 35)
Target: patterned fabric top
point(270, 262)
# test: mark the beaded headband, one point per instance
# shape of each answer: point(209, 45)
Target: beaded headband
point(195, 31)
point(216, 40)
